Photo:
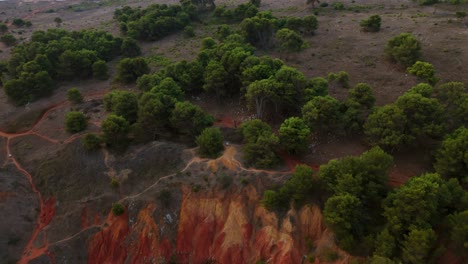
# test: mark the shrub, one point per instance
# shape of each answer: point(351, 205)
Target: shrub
point(210, 142)
point(74, 96)
point(91, 141)
point(338, 6)
point(100, 70)
point(341, 77)
point(3, 28)
point(423, 70)
point(75, 122)
point(129, 69)
point(404, 49)
point(165, 197)
point(372, 24)
point(189, 32)
point(8, 39)
point(118, 209)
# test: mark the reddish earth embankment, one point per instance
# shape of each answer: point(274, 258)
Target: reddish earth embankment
point(217, 226)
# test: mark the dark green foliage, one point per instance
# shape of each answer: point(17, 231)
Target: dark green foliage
point(100, 70)
point(296, 189)
point(115, 129)
point(385, 127)
point(423, 89)
point(55, 55)
point(357, 184)
point(363, 94)
point(118, 209)
point(74, 96)
point(130, 48)
point(155, 21)
point(129, 69)
point(317, 86)
point(242, 11)
point(261, 144)
point(427, 2)
point(3, 28)
point(216, 79)
point(454, 97)
point(223, 31)
point(424, 70)
point(253, 129)
point(424, 116)
point(322, 113)
point(8, 39)
point(294, 135)
point(189, 32)
point(122, 103)
point(364, 177)
point(341, 77)
point(458, 223)
point(19, 22)
point(418, 245)
point(404, 49)
point(259, 30)
point(452, 157)
point(210, 142)
point(190, 119)
point(29, 87)
point(307, 24)
point(372, 24)
point(91, 141)
point(343, 214)
point(259, 93)
point(289, 40)
point(75, 122)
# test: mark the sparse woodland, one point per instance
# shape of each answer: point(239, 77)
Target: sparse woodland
point(288, 110)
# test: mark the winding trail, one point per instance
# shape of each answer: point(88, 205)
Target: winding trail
point(46, 206)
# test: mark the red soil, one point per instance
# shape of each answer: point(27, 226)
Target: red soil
point(227, 121)
point(108, 245)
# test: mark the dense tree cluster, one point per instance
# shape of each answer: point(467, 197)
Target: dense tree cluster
point(422, 113)
point(404, 49)
point(261, 144)
point(155, 21)
point(55, 55)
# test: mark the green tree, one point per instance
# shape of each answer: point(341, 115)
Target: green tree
point(74, 96)
point(210, 142)
point(216, 78)
point(300, 185)
point(75, 122)
point(3, 28)
point(190, 119)
point(310, 24)
point(129, 69)
point(294, 135)
point(418, 245)
point(322, 113)
point(342, 213)
point(259, 30)
point(385, 127)
point(261, 153)
point(260, 92)
point(424, 116)
point(100, 70)
point(122, 103)
point(317, 86)
point(454, 97)
point(8, 39)
point(189, 32)
point(423, 89)
point(130, 48)
point(452, 157)
point(459, 230)
point(404, 49)
point(289, 40)
point(251, 130)
point(424, 70)
point(372, 24)
point(91, 141)
point(115, 129)
point(363, 94)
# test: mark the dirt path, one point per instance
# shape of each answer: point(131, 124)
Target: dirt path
point(46, 207)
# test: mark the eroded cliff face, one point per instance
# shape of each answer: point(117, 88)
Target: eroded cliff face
point(216, 226)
